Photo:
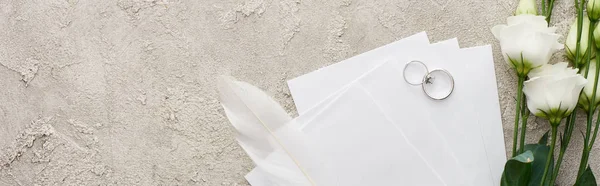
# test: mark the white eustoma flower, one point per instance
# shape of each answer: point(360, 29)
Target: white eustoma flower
point(588, 90)
point(553, 90)
point(526, 7)
point(527, 42)
point(571, 42)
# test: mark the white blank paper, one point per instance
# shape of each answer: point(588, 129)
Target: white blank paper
point(355, 144)
point(361, 110)
point(470, 122)
point(310, 89)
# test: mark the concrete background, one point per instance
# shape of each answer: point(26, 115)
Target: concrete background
point(123, 92)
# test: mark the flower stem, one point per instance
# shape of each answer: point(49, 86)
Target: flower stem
point(587, 144)
point(569, 125)
point(595, 131)
point(579, 8)
point(549, 11)
point(583, 162)
point(593, 104)
point(544, 7)
point(518, 113)
point(585, 156)
point(550, 154)
point(589, 52)
point(592, 99)
point(524, 116)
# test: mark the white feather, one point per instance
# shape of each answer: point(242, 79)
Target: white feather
point(277, 171)
point(255, 116)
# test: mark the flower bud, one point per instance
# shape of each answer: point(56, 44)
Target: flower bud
point(593, 9)
point(588, 90)
point(526, 7)
point(571, 42)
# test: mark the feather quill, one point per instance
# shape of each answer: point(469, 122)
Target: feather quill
point(256, 116)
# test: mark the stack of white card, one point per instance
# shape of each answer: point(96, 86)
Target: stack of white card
point(360, 123)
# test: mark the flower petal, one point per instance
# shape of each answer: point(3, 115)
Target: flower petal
point(496, 30)
point(538, 22)
point(577, 82)
point(589, 87)
point(534, 92)
point(558, 69)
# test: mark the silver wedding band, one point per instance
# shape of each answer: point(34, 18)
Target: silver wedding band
point(429, 79)
point(414, 62)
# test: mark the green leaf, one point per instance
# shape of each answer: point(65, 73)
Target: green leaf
point(544, 139)
point(586, 179)
point(540, 154)
point(517, 170)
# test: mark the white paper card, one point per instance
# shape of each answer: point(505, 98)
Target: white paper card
point(355, 144)
point(449, 45)
point(487, 107)
point(480, 143)
point(424, 119)
point(485, 122)
point(469, 120)
point(436, 155)
point(474, 133)
point(255, 178)
point(310, 89)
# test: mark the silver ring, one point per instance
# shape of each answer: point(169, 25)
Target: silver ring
point(404, 72)
point(428, 79)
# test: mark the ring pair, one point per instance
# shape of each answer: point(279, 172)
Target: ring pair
point(437, 84)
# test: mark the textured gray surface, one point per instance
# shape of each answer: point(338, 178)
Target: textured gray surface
point(123, 92)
